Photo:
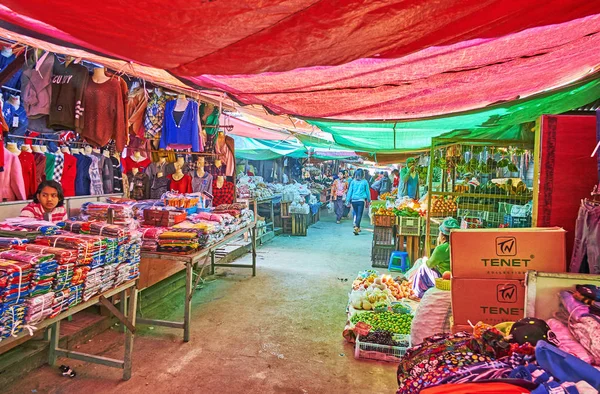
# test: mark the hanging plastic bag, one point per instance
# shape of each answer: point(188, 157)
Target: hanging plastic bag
point(330, 207)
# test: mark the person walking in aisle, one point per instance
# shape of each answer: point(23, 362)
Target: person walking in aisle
point(359, 195)
point(338, 194)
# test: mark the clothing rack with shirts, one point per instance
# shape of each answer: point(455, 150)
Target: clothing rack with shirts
point(586, 248)
point(58, 141)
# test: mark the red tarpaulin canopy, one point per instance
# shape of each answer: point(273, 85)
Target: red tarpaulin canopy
point(434, 81)
point(191, 38)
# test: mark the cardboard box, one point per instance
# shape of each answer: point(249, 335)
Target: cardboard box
point(491, 301)
point(506, 253)
point(458, 328)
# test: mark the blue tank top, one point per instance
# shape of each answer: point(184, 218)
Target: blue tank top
point(182, 133)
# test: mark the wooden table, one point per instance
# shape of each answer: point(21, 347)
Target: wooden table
point(126, 318)
point(190, 261)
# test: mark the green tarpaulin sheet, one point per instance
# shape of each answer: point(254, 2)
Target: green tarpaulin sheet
point(502, 122)
point(256, 149)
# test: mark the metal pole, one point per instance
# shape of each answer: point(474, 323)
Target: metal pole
point(254, 251)
point(429, 195)
point(188, 301)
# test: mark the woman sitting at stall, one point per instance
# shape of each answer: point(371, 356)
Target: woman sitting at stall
point(48, 203)
point(439, 262)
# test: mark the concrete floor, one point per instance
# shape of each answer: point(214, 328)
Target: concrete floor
point(279, 332)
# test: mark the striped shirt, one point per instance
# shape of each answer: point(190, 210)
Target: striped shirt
point(36, 211)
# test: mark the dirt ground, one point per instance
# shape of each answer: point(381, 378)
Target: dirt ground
point(276, 333)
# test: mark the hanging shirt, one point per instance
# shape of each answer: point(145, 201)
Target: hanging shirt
point(50, 162)
point(82, 179)
point(225, 155)
point(202, 184)
point(155, 114)
point(36, 86)
point(183, 134)
point(117, 175)
point(160, 185)
point(106, 172)
point(136, 106)
point(95, 177)
point(16, 118)
point(129, 163)
point(12, 187)
point(59, 165)
point(224, 195)
point(139, 185)
point(67, 106)
point(29, 173)
point(183, 185)
point(106, 112)
point(69, 175)
point(40, 168)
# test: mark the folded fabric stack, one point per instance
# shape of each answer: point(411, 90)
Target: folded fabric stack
point(89, 248)
point(110, 230)
point(39, 308)
point(583, 325)
point(134, 257)
point(61, 255)
point(178, 241)
point(79, 274)
point(43, 229)
point(64, 276)
point(109, 273)
point(75, 295)
point(44, 269)
point(111, 251)
point(60, 303)
point(13, 232)
point(237, 206)
point(93, 283)
point(12, 320)
point(15, 278)
point(122, 273)
point(98, 211)
point(150, 238)
point(7, 242)
point(76, 226)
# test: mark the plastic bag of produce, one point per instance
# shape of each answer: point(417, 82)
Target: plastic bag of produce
point(432, 316)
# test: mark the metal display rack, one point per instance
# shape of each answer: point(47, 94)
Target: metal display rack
point(477, 182)
point(191, 261)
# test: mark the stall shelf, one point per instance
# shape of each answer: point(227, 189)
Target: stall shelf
point(127, 317)
point(191, 261)
point(474, 180)
point(268, 204)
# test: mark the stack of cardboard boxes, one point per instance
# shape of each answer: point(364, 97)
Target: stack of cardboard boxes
point(488, 271)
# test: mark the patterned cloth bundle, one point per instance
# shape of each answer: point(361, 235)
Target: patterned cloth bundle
point(12, 320)
point(60, 303)
point(15, 278)
point(39, 308)
point(75, 295)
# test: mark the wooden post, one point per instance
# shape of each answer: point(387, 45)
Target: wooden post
point(54, 336)
point(129, 335)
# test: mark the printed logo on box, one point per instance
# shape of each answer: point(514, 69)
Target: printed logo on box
point(506, 294)
point(506, 246)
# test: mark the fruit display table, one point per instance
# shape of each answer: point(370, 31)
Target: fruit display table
point(191, 261)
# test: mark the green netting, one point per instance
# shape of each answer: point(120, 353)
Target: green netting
point(502, 122)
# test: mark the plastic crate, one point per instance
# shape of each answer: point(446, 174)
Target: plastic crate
point(504, 208)
point(380, 256)
point(515, 222)
point(384, 220)
point(409, 226)
point(492, 217)
point(373, 351)
point(383, 236)
point(467, 223)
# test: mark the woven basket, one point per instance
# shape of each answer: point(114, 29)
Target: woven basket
point(442, 284)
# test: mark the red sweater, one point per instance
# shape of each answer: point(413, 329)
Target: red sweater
point(106, 112)
point(69, 173)
point(184, 185)
point(28, 167)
